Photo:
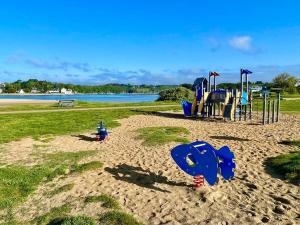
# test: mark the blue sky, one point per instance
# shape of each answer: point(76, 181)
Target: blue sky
point(151, 42)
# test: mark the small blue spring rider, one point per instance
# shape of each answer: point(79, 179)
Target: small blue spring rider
point(201, 160)
point(102, 133)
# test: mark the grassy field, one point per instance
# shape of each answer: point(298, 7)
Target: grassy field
point(287, 166)
point(17, 182)
point(80, 104)
point(286, 106)
point(161, 135)
point(38, 125)
point(288, 95)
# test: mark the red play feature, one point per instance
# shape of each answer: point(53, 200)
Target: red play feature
point(215, 74)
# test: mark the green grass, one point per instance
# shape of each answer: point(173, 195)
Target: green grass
point(18, 182)
point(37, 125)
point(54, 213)
point(64, 188)
point(152, 136)
point(107, 201)
point(288, 95)
point(118, 218)
point(80, 104)
point(286, 106)
point(73, 220)
point(286, 166)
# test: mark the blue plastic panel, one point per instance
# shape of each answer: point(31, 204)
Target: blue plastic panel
point(200, 158)
point(203, 159)
point(226, 163)
point(187, 108)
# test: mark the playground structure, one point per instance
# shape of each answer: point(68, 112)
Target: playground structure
point(230, 104)
point(201, 160)
point(267, 118)
point(102, 133)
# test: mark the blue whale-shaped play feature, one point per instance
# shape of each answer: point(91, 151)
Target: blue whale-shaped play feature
point(226, 163)
point(196, 160)
point(200, 158)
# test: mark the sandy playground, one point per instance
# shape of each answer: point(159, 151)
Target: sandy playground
point(148, 184)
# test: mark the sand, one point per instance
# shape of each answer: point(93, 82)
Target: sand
point(149, 185)
point(5, 102)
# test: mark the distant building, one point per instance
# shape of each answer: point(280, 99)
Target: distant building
point(66, 91)
point(256, 89)
point(34, 91)
point(265, 91)
point(2, 86)
point(21, 91)
point(54, 91)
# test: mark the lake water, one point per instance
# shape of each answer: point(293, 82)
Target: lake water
point(89, 97)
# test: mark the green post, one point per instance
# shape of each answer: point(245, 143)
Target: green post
point(264, 108)
point(278, 106)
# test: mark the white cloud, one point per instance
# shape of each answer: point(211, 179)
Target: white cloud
point(242, 43)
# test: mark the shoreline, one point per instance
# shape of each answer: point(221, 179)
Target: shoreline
point(6, 102)
point(59, 94)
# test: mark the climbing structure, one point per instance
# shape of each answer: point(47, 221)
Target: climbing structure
point(229, 104)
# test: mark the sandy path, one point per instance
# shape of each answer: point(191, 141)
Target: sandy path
point(5, 102)
point(149, 185)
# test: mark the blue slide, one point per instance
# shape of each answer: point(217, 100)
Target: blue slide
point(187, 108)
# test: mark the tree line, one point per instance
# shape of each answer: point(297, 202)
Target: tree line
point(46, 86)
point(286, 82)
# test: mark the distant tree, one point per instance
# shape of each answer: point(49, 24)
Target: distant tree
point(10, 88)
point(286, 82)
point(188, 86)
point(176, 94)
point(228, 85)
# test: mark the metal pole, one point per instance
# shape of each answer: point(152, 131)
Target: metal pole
point(245, 116)
point(264, 108)
point(269, 108)
point(278, 106)
point(273, 111)
point(247, 85)
point(209, 85)
point(241, 82)
point(235, 105)
point(215, 86)
point(251, 105)
point(257, 109)
point(241, 89)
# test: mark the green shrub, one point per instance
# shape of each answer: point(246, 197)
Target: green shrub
point(73, 220)
point(56, 212)
point(176, 94)
point(118, 218)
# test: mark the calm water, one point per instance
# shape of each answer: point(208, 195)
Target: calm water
point(89, 97)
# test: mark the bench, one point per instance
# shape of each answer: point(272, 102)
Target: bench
point(66, 103)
